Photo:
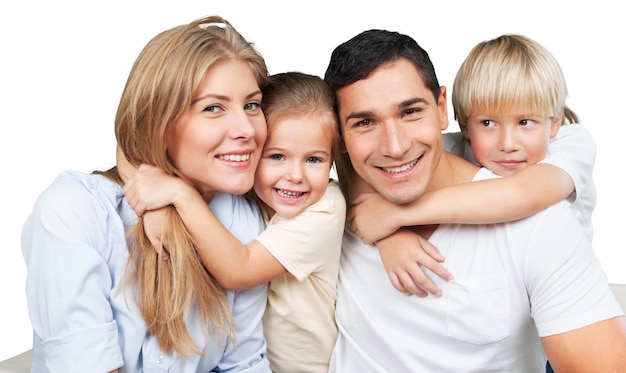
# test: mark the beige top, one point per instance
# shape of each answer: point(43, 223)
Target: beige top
point(299, 321)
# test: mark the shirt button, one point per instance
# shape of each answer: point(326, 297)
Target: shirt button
point(159, 359)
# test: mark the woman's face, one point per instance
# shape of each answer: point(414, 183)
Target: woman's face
point(218, 142)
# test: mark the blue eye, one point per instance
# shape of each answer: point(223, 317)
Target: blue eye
point(212, 109)
point(314, 160)
point(277, 157)
point(253, 106)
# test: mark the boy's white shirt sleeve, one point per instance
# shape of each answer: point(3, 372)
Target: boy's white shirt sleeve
point(574, 151)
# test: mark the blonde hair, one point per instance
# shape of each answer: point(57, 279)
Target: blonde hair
point(507, 72)
point(295, 94)
point(160, 88)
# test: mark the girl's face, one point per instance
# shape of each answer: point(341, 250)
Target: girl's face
point(507, 142)
point(295, 166)
point(218, 141)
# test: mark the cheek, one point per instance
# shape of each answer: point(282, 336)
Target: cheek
point(481, 146)
point(318, 179)
point(537, 150)
point(260, 128)
point(265, 175)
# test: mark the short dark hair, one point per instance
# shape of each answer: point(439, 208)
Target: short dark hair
point(356, 58)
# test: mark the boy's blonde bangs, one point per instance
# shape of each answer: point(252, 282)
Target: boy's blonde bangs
point(510, 73)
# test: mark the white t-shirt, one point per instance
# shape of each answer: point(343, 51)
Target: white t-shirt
point(299, 322)
point(573, 150)
point(511, 286)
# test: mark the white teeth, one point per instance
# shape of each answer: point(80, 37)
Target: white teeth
point(235, 157)
point(288, 194)
point(402, 168)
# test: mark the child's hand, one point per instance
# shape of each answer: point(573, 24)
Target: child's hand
point(371, 218)
point(403, 253)
point(154, 223)
point(150, 188)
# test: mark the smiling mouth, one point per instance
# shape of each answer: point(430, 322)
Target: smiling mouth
point(289, 194)
point(396, 170)
point(234, 157)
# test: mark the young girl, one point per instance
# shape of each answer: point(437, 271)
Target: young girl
point(298, 253)
point(99, 298)
point(509, 99)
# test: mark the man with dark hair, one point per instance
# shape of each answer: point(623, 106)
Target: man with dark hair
point(519, 288)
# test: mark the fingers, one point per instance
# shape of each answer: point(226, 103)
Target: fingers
point(159, 247)
point(430, 249)
point(419, 284)
point(397, 284)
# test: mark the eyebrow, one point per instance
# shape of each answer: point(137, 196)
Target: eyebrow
point(401, 105)
point(222, 97)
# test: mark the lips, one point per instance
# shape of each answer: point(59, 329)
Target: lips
point(404, 167)
point(509, 164)
point(289, 194)
point(235, 157)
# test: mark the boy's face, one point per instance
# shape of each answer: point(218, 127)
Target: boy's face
point(391, 125)
point(295, 164)
point(507, 142)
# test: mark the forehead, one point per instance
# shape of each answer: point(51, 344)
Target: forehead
point(386, 88)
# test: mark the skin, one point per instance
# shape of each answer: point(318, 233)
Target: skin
point(297, 158)
point(218, 141)
point(394, 143)
point(508, 142)
point(374, 102)
point(294, 168)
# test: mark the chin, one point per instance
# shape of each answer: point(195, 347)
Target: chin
point(237, 188)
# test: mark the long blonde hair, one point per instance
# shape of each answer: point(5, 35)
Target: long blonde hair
point(159, 89)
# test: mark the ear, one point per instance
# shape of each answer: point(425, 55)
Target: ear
point(442, 105)
point(555, 126)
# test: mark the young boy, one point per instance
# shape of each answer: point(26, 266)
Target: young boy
point(298, 253)
point(509, 99)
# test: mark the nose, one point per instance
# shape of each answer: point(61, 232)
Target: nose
point(294, 172)
point(243, 126)
point(394, 140)
point(508, 141)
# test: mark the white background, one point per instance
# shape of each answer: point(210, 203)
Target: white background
point(63, 65)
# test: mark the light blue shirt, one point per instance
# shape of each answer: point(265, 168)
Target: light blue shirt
point(84, 320)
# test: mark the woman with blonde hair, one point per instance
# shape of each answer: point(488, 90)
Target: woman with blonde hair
point(99, 298)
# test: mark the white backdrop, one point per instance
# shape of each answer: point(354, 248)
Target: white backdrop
point(63, 65)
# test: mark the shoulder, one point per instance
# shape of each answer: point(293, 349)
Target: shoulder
point(76, 204)
point(331, 206)
point(575, 135)
point(73, 190)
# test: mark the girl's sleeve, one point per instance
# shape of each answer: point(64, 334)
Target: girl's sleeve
point(304, 243)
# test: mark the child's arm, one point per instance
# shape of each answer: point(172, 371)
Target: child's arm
point(234, 265)
point(403, 253)
point(481, 202)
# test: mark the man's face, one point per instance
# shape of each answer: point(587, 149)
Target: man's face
point(391, 126)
